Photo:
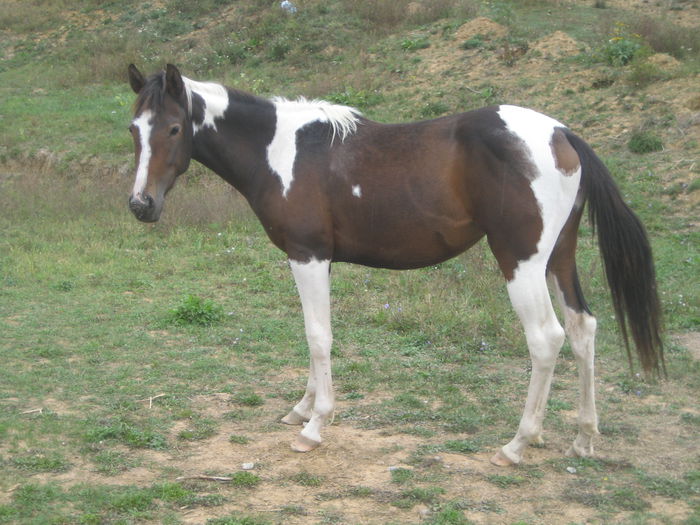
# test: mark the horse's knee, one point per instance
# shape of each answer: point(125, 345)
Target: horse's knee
point(544, 344)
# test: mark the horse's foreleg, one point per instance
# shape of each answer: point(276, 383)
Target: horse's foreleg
point(530, 298)
point(317, 405)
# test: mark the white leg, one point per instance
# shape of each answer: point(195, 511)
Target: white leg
point(313, 282)
point(530, 298)
point(580, 328)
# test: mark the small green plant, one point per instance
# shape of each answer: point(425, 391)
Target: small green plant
point(644, 142)
point(622, 47)
point(238, 440)
point(196, 311)
point(307, 480)
point(401, 475)
point(41, 462)
point(414, 44)
point(250, 399)
point(462, 446)
point(474, 42)
point(244, 479)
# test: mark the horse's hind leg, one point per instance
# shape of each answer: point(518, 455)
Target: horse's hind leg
point(545, 336)
point(580, 328)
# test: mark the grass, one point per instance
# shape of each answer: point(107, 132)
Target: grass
point(116, 330)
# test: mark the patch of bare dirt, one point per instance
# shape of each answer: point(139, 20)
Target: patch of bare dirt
point(691, 341)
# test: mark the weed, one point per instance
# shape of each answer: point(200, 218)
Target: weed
point(244, 479)
point(622, 46)
point(462, 446)
point(644, 142)
point(474, 42)
point(448, 514)
point(410, 497)
point(128, 434)
point(238, 440)
point(41, 462)
point(414, 44)
point(505, 481)
point(307, 480)
point(194, 310)
point(110, 462)
point(198, 429)
point(401, 475)
point(249, 399)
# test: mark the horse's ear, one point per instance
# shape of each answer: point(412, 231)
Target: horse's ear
point(136, 79)
point(173, 81)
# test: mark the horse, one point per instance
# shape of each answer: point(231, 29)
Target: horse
point(329, 185)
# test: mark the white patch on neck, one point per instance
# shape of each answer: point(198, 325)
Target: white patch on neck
point(357, 191)
point(144, 125)
point(215, 101)
point(291, 117)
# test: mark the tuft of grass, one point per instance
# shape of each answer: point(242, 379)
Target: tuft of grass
point(249, 399)
point(401, 475)
point(39, 461)
point(194, 310)
point(199, 428)
point(244, 479)
point(462, 446)
point(307, 480)
point(238, 440)
point(410, 497)
point(644, 142)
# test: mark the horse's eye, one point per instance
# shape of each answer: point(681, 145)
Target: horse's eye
point(174, 130)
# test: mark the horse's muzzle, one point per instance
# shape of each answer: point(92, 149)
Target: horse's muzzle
point(144, 209)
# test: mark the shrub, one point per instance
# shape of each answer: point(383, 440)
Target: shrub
point(196, 311)
point(644, 142)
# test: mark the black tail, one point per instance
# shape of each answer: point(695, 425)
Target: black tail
point(626, 253)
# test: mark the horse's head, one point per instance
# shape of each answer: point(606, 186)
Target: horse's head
point(162, 132)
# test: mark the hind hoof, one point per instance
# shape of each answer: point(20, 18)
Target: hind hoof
point(294, 419)
point(501, 460)
point(304, 444)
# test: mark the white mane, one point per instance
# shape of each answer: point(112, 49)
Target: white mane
point(343, 119)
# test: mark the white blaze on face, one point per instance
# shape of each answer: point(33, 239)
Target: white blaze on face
point(144, 125)
point(357, 191)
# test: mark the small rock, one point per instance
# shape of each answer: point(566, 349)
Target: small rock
point(571, 470)
point(248, 466)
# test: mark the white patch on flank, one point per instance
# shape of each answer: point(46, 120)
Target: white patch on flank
point(357, 191)
point(144, 124)
point(291, 117)
point(555, 192)
point(215, 101)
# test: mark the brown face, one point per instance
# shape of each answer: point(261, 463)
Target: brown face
point(162, 137)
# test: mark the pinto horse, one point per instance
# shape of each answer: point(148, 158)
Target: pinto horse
point(329, 185)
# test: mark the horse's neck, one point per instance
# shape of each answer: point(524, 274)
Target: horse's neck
point(231, 136)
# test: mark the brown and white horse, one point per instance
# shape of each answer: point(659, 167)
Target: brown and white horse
point(329, 185)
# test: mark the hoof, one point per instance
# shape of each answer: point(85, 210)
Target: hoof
point(577, 452)
point(304, 444)
point(294, 419)
point(501, 460)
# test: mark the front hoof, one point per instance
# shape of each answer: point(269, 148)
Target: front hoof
point(294, 419)
point(304, 444)
point(501, 460)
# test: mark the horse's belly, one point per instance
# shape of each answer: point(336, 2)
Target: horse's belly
point(407, 245)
